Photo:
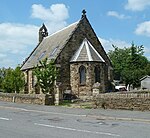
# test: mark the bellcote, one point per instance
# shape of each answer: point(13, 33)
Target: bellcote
point(42, 33)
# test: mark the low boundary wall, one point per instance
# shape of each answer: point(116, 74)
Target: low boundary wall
point(41, 99)
point(128, 101)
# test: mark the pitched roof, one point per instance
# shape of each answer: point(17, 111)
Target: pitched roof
point(145, 77)
point(50, 47)
point(86, 52)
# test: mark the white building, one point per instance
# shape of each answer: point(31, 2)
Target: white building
point(145, 82)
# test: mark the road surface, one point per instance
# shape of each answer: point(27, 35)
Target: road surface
point(37, 121)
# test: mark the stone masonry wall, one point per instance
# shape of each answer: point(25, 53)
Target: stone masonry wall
point(129, 101)
point(40, 99)
point(83, 30)
point(86, 90)
point(28, 81)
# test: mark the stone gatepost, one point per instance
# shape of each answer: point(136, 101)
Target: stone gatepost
point(57, 95)
point(96, 89)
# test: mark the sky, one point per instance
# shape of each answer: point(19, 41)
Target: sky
point(118, 22)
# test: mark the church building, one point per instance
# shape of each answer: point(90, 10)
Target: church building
point(79, 56)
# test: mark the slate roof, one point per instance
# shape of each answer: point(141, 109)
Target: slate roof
point(50, 47)
point(86, 52)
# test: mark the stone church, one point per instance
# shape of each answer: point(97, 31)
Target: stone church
point(79, 56)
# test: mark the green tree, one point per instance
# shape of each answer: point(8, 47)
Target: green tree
point(129, 64)
point(119, 58)
point(7, 83)
point(46, 74)
point(18, 79)
point(13, 80)
point(2, 75)
point(147, 69)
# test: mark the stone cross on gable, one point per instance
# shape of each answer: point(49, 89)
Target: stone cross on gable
point(84, 13)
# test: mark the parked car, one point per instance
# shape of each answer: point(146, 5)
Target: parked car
point(120, 88)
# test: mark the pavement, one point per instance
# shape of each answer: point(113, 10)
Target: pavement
point(39, 121)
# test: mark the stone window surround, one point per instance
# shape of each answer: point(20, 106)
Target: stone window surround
point(97, 73)
point(82, 75)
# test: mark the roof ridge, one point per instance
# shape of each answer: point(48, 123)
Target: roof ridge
point(29, 55)
point(72, 27)
point(62, 29)
point(146, 76)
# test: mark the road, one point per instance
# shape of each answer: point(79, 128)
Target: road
point(37, 121)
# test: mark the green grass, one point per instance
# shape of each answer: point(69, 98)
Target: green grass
point(87, 107)
point(66, 103)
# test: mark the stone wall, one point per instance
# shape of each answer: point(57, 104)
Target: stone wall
point(83, 30)
point(86, 90)
point(40, 99)
point(129, 101)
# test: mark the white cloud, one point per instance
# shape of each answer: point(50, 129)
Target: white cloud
point(55, 17)
point(107, 43)
point(2, 55)
point(147, 52)
point(137, 5)
point(15, 42)
point(143, 29)
point(18, 40)
point(117, 15)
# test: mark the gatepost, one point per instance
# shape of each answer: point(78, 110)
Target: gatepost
point(57, 98)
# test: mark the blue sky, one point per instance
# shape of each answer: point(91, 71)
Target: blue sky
point(117, 22)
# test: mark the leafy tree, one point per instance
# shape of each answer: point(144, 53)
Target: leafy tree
point(147, 69)
point(18, 79)
point(119, 58)
point(2, 75)
point(13, 80)
point(46, 74)
point(7, 83)
point(129, 64)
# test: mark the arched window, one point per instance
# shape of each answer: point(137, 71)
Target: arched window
point(97, 74)
point(82, 72)
point(33, 80)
